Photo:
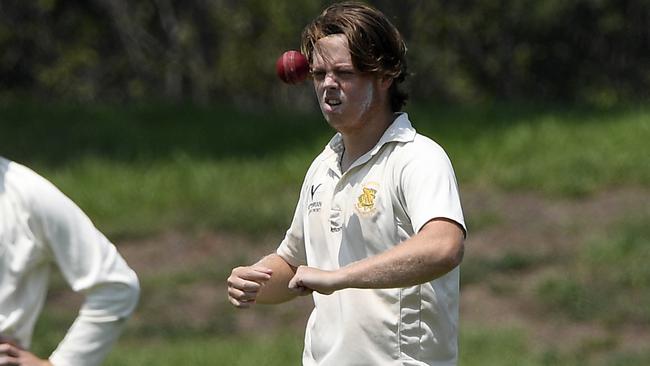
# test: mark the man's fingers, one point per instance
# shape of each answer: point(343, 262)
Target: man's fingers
point(241, 295)
point(258, 273)
point(243, 285)
point(293, 282)
point(301, 290)
point(8, 361)
point(297, 281)
point(296, 285)
point(9, 349)
point(8, 340)
point(9, 355)
point(241, 303)
point(255, 274)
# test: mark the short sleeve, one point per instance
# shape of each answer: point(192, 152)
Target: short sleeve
point(292, 247)
point(429, 189)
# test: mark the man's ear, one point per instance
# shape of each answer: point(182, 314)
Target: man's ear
point(385, 82)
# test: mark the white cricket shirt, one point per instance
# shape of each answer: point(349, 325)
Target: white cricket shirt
point(385, 197)
point(41, 228)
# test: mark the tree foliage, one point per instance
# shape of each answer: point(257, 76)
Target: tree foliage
point(205, 50)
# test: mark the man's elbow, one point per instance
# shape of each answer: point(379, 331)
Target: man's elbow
point(131, 297)
point(447, 243)
point(125, 299)
point(126, 296)
point(110, 302)
point(454, 255)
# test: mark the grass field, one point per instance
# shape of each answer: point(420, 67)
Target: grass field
point(557, 200)
point(194, 168)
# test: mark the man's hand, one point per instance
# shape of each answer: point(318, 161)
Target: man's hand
point(308, 279)
point(244, 284)
point(12, 355)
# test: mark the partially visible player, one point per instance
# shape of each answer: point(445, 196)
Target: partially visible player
point(378, 233)
point(41, 229)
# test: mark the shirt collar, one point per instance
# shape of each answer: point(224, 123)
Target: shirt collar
point(400, 130)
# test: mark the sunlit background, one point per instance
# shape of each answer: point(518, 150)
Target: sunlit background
point(164, 120)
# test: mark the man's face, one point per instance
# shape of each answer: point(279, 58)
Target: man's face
point(346, 96)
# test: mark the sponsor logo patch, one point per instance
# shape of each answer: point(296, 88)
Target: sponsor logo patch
point(314, 206)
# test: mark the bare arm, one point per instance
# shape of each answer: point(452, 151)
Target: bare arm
point(431, 253)
point(265, 282)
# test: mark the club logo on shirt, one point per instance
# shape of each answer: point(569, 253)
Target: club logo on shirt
point(366, 201)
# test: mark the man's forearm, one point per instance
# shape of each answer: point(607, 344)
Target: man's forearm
point(276, 290)
point(433, 252)
point(416, 261)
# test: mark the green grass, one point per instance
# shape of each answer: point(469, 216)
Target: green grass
point(609, 279)
point(475, 269)
point(478, 346)
point(59, 135)
point(272, 350)
point(503, 346)
point(142, 169)
point(190, 348)
point(558, 151)
point(498, 347)
point(139, 198)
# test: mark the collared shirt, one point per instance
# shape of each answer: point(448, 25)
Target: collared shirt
point(40, 228)
point(384, 198)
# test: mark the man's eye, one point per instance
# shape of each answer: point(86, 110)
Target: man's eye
point(345, 73)
point(318, 74)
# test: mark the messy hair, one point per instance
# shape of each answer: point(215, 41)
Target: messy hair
point(375, 44)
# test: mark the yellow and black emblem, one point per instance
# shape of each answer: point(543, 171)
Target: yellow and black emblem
point(366, 201)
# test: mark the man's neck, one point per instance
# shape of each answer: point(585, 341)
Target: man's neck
point(359, 142)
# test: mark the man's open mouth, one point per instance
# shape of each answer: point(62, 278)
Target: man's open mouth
point(332, 101)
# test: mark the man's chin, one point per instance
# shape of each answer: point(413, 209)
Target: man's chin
point(330, 115)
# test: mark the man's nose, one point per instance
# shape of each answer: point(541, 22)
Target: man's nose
point(330, 81)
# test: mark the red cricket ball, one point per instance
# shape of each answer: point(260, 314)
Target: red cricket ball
point(292, 67)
